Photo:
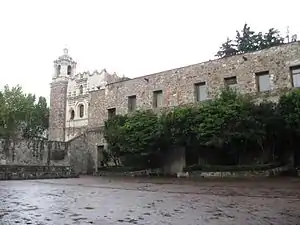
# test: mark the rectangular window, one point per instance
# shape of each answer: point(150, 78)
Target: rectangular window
point(111, 113)
point(230, 81)
point(263, 81)
point(157, 99)
point(200, 91)
point(131, 103)
point(295, 71)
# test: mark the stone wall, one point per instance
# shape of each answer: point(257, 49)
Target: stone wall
point(13, 172)
point(240, 174)
point(72, 132)
point(81, 152)
point(178, 84)
point(34, 152)
point(85, 156)
point(57, 113)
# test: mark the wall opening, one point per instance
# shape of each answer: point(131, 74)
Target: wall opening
point(111, 113)
point(81, 110)
point(69, 70)
point(263, 81)
point(230, 82)
point(72, 114)
point(295, 73)
point(81, 89)
point(200, 91)
point(157, 99)
point(131, 103)
point(58, 70)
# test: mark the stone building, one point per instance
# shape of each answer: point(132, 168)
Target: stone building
point(80, 103)
point(69, 98)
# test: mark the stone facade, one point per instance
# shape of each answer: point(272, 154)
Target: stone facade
point(86, 151)
point(263, 73)
point(34, 152)
point(178, 86)
point(69, 98)
point(57, 112)
point(12, 172)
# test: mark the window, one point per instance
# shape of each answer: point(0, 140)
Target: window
point(200, 92)
point(295, 72)
point(72, 114)
point(81, 89)
point(81, 110)
point(263, 81)
point(131, 103)
point(230, 81)
point(157, 99)
point(111, 113)
point(58, 70)
point(69, 70)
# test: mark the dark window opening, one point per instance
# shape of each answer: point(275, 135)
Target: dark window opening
point(111, 113)
point(229, 81)
point(131, 103)
point(157, 99)
point(69, 70)
point(72, 116)
point(81, 110)
point(81, 89)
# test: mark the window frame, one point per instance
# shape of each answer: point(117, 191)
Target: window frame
point(257, 78)
point(197, 91)
point(155, 99)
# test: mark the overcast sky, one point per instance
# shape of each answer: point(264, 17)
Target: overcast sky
point(130, 37)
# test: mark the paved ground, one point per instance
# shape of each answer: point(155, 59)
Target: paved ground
point(104, 201)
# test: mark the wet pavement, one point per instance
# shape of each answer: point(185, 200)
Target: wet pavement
point(104, 201)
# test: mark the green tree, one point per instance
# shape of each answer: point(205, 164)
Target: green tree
point(271, 38)
point(113, 133)
point(20, 115)
point(289, 109)
point(227, 49)
point(247, 40)
point(37, 118)
point(142, 132)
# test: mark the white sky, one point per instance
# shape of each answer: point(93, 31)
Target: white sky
point(130, 37)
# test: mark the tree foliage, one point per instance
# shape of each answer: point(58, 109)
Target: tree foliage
point(247, 40)
point(231, 126)
point(21, 115)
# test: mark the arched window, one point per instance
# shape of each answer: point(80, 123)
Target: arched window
point(72, 114)
point(58, 70)
point(81, 89)
point(81, 110)
point(69, 70)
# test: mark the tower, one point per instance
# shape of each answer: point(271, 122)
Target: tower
point(64, 69)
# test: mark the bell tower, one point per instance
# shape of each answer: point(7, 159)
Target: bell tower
point(64, 69)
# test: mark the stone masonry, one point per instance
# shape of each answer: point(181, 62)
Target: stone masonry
point(69, 96)
point(177, 87)
point(57, 113)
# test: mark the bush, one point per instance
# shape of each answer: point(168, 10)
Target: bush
point(232, 129)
